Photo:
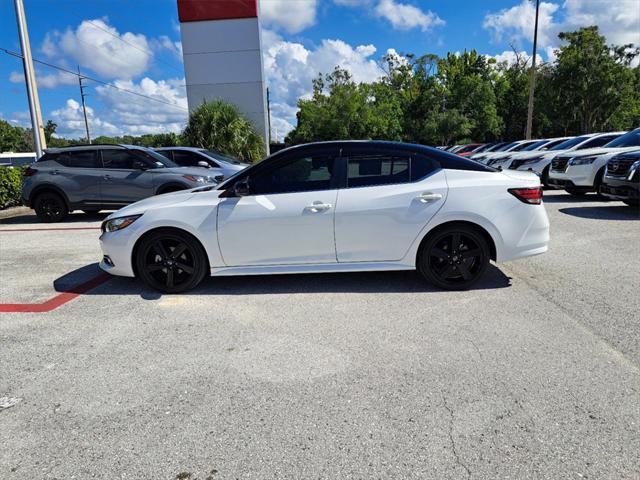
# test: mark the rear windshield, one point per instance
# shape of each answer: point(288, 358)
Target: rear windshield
point(629, 139)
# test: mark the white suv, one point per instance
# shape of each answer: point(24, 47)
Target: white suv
point(579, 173)
point(540, 161)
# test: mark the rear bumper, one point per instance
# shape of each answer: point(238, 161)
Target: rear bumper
point(518, 242)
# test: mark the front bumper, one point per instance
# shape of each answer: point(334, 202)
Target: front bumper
point(620, 189)
point(116, 249)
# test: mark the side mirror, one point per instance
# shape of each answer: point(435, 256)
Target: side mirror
point(242, 188)
point(140, 165)
point(203, 164)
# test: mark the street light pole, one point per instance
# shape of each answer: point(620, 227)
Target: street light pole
point(39, 139)
point(533, 76)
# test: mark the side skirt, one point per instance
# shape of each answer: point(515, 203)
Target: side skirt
point(310, 268)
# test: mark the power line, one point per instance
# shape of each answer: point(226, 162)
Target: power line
point(107, 84)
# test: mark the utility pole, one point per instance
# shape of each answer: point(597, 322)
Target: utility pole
point(269, 114)
point(533, 76)
point(39, 140)
point(84, 106)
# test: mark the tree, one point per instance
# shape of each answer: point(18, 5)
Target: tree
point(218, 125)
point(14, 139)
point(591, 80)
point(49, 130)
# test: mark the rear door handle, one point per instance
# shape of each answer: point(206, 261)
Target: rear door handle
point(429, 197)
point(318, 206)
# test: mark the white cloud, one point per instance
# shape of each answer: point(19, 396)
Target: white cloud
point(50, 80)
point(70, 120)
point(510, 57)
point(96, 45)
point(174, 47)
point(292, 16)
point(404, 16)
point(617, 20)
point(290, 69)
point(516, 23)
point(137, 115)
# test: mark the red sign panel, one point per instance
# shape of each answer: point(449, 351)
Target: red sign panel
point(195, 10)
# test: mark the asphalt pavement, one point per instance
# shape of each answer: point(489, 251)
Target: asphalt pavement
point(533, 374)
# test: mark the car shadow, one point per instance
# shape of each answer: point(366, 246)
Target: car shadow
point(556, 196)
point(76, 217)
point(358, 282)
point(613, 212)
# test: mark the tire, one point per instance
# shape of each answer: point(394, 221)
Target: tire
point(576, 192)
point(443, 263)
point(91, 212)
point(161, 268)
point(50, 207)
point(598, 185)
point(544, 178)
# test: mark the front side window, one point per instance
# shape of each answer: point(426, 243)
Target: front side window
point(187, 159)
point(79, 159)
point(305, 174)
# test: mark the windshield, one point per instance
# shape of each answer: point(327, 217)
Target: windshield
point(159, 161)
point(520, 146)
point(221, 156)
point(505, 147)
point(629, 139)
point(535, 145)
point(572, 142)
point(552, 143)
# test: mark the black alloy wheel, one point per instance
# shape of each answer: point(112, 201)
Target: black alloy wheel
point(454, 258)
point(50, 207)
point(171, 261)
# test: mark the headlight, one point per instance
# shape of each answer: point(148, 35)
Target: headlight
point(200, 178)
point(118, 223)
point(582, 160)
point(531, 160)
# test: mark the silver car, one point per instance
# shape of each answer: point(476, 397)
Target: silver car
point(220, 163)
point(103, 177)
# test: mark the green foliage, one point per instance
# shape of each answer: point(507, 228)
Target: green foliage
point(10, 187)
point(14, 139)
point(433, 100)
point(218, 125)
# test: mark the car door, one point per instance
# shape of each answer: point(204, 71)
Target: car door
point(79, 176)
point(390, 196)
point(288, 216)
point(121, 183)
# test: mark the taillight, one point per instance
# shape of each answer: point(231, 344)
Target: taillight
point(29, 172)
point(532, 196)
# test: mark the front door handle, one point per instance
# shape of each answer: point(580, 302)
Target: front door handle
point(429, 197)
point(317, 207)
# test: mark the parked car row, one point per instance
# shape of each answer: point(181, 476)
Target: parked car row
point(578, 164)
point(107, 177)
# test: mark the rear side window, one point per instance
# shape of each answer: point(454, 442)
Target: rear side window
point(166, 153)
point(79, 159)
point(118, 158)
point(364, 170)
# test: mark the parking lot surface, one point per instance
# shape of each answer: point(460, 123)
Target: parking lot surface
point(533, 374)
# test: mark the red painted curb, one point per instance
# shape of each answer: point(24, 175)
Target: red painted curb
point(45, 229)
point(56, 301)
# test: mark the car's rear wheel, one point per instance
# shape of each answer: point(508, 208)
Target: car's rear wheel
point(454, 258)
point(50, 207)
point(576, 192)
point(171, 261)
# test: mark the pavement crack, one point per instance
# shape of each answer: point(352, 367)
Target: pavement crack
point(454, 449)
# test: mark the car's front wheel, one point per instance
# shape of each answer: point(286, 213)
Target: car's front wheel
point(50, 207)
point(171, 261)
point(454, 258)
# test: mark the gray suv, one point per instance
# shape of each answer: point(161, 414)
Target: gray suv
point(102, 177)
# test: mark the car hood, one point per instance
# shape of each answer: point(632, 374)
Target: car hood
point(164, 200)
point(205, 172)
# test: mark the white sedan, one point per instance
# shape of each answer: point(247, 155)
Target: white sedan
point(334, 207)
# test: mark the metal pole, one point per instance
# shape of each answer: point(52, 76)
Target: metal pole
point(533, 76)
point(84, 106)
point(39, 139)
point(269, 114)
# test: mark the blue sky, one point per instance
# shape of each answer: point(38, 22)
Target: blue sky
point(136, 45)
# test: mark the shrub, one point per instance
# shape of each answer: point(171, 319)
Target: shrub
point(10, 187)
point(218, 125)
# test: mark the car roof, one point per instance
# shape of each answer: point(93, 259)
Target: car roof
point(92, 147)
point(190, 149)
